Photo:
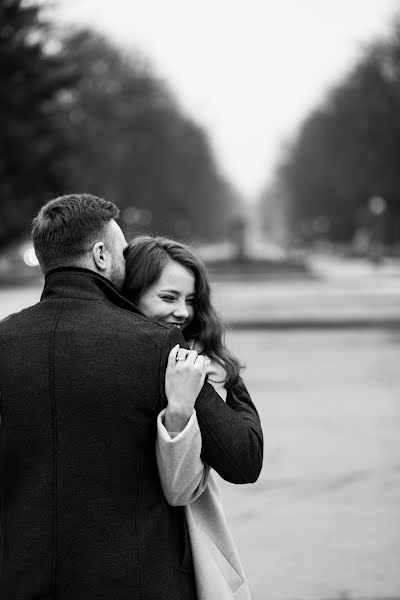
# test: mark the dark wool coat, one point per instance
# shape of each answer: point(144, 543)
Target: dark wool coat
point(83, 515)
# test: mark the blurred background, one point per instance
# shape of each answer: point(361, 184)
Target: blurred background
point(265, 134)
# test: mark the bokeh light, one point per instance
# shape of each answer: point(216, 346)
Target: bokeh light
point(30, 258)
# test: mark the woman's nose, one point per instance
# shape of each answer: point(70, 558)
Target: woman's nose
point(181, 310)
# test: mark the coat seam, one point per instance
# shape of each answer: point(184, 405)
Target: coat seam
point(161, 379)
point(55, 454)
point(162, 394)
point(3, 507)
point(137, 525)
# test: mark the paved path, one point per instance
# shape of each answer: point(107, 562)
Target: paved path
point(323, 521)
point(343, 294)
point(308, 304)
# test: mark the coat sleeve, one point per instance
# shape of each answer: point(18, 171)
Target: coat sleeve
point(232, 439)
point(183, 474)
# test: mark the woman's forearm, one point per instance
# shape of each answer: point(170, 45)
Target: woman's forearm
point(183, 474)
point(177, 417)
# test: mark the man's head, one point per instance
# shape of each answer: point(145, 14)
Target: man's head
point(80, 230)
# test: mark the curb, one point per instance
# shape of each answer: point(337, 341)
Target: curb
point(313, 324)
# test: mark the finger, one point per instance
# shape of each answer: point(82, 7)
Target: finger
point(172, 356)
point(205, 358)
point(182, 354)
point(200, 361)
point(204, 366)
point(191, 357)
point(207, 363)
point(201, 364)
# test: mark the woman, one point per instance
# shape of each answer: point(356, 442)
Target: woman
point(168, 283)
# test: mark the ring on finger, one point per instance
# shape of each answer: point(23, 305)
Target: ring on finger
point(182, 354)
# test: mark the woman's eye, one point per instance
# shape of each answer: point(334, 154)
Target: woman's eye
point(190, 301)
point(167, 298)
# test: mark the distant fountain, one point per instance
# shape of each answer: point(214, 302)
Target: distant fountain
point(238, 238)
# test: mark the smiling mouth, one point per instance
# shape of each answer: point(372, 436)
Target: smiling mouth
point(178, 325)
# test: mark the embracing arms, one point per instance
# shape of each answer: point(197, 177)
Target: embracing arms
point(231, 434)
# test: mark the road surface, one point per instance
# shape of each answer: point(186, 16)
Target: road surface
point(323, 521)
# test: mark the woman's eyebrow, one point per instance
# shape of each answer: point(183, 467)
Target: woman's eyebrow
point(172, 291)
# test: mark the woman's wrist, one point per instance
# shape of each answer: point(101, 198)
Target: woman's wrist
point(176, 418)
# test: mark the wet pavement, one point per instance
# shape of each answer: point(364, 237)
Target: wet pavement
point(323, 521)
point(341, 294)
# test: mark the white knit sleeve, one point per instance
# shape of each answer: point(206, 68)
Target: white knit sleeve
point(183, 474)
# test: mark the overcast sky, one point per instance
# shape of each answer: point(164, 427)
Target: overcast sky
point(248, 71)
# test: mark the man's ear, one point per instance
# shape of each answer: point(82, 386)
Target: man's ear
point(99, 255)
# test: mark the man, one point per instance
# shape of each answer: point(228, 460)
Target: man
point(83, 515)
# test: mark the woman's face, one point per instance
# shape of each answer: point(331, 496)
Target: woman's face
point(170, 299)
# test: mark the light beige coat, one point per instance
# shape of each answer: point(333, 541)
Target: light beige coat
point(189, 482)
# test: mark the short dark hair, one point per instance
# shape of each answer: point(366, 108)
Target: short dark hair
point(64, 228)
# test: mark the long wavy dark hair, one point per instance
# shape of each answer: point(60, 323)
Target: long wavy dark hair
point(146, 257)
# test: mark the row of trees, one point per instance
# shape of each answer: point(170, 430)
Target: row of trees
point(30, 146)
point(77, 114)
point(341, 173)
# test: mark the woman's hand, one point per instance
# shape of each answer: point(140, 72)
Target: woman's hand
point(184, 378)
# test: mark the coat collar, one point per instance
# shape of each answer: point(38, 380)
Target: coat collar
point(76, 282)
